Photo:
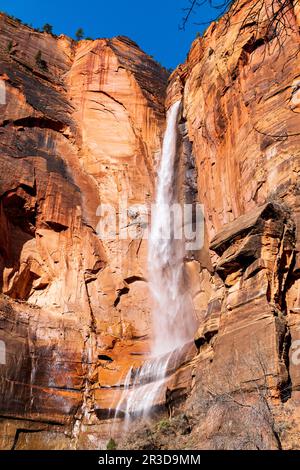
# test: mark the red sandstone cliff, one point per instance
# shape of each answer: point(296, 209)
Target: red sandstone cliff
point(88, 128)
point(240, 92)
point(82, 126)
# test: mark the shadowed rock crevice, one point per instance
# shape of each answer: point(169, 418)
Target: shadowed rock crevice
point(121, 292)
point(39, 122)
point(20, 431)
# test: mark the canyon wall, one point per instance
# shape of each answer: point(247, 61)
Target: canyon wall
point(83, 126)
point(240, 92)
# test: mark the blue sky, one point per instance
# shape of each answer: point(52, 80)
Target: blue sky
point(153, 24)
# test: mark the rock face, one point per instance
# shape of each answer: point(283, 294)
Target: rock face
point(82, 127)
point(239, 88)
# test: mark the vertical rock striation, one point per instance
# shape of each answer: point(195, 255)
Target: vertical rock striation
point(82, 125)
point(239, 87)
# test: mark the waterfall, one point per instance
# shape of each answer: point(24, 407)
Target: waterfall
point(172, 315)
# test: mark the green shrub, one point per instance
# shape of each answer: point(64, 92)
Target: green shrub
point(9, 47)
point(48, 28)
point(163, 425)
point(111, 445)
point(79, 34)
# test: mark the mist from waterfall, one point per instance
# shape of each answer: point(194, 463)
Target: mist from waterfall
point(172, 314)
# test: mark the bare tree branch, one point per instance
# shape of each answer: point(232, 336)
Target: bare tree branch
point(189, 10)
point(273, 16)
point(271, 21)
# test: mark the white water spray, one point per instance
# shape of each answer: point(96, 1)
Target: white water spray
point(173, 316)
point(173, 319)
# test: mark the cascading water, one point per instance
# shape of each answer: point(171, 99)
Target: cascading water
point(173, 321)
point(173, 315)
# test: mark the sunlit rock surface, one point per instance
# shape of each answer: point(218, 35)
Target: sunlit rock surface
point(82, 126)
point(241, 111)
point(75, 311)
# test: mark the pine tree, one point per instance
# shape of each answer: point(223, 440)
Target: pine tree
point(48, 28)
point(79, 34)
